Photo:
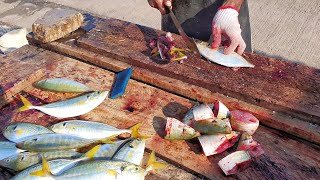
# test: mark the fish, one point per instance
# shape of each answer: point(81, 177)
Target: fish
point(23, 160)
point(18, 132)
point(235, 162)
point(244, 122)
point(102, 169)
point(87, 129)
point(56, 166)
point(198, 112)
point(217, 56)
point(176, 130)
point(52, 142)
point(132, 151)
point(68, 108)
point(106, 151)
point(8, 149)
point(213, 126)
point(247, 143)
point(61, 85)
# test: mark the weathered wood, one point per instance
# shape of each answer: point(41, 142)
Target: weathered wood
point(277, 120)
point(149, 105)
point(278, 85)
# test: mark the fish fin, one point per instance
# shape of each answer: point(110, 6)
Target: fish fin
point(44, 171)
point(112, 172)
point(26, 104)
point(135, 132)
point(153, 164)
point(90, 154)
point(108, 140)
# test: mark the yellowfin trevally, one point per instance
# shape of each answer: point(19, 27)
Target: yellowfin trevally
point(102, 169)
point(26, 159)
point(18, 132)
point(51, 142)
point(70, 107)
point(61, 85)
point(217, 56)
point(87, 129)
point(8, 149)
point(132, 151)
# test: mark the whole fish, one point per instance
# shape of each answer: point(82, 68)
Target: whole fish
point(217, 56)
point(102, 169)
point(71, 107)
point(87, 129)
point(61, 85)
point(26, 159)
point(132, 151)
point(51, 142)
point(8, 149)
point(56, 166)
point(18, 132)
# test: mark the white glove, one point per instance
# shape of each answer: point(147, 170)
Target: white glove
point(226, 23)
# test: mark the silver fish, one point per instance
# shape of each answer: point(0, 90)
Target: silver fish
point(217, 56)
point(50, 142)
point(71, 107)
point(132, 151)
point(108, 150)
point(26, 159)
point(87, 129)
point(8, 149)
point(61, 85)
point(18, 132)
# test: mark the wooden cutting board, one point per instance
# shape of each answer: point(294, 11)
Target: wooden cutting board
point(150, 105)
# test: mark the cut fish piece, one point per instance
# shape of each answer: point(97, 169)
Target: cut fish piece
point(244, 121)
point(235, 162)
point(196, 113)
point(177, 130)
point(220, 110)
point(217, 56)
point(247, 143)
point(214, 144)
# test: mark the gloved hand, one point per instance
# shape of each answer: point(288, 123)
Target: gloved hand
point(159, 4)
point(226, 23)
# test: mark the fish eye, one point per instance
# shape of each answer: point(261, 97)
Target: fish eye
point(64, 124)
point(137, 168)
point(35, 139)
point(15, 127)
point(7, 160)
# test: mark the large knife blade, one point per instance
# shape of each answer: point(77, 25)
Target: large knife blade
point(189, 41)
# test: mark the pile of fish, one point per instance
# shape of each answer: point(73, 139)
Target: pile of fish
point(218, 129)
point(61, 148)
point(73, 149)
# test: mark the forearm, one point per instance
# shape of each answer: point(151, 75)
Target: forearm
point(234, 3)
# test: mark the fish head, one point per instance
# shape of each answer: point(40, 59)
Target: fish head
point(98, 95)
point(9, 162)
point(14, 131)
point(62, 127)
point(132, 171)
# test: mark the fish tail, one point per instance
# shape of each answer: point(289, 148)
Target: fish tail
point(135, 132)
point(45, 171)
point(108, 140)
point(26, 104)
point(91, 153)
point(153, 164)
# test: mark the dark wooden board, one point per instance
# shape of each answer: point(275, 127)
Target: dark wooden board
point(278, 85)
point(150, 105)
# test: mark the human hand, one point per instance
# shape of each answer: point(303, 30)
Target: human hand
point(226, 23)
point(159, 4)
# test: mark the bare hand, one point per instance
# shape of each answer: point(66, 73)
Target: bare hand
point(159, 4)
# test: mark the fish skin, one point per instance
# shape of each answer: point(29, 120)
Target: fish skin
point(132, 151)
point(26, 159)
point(87, 129)
point(61, 85)
point(18, 132)
point(198, 112)
point(71, 107)
point(213, 126)
point(57, 166)
point(217, 56)
point(8, 149)
point(51, 142)
point(108, 150)
point(88, 170)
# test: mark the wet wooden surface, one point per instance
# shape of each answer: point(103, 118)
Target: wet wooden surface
point(275, 119)
point(150, 105)
point(274, 84)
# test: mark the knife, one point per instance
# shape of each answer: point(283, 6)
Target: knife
point(189, 41)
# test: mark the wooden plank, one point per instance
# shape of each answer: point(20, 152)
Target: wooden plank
point(277, 120)
point(149, 105)
point(274, 84)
